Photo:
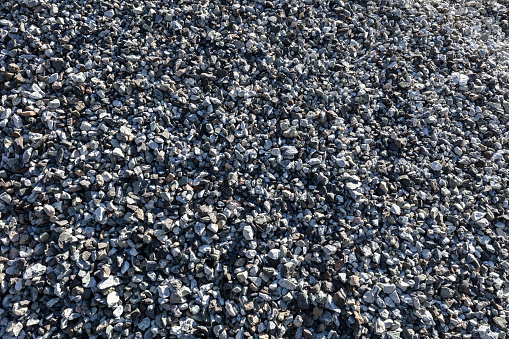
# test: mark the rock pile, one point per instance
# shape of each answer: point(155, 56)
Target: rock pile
point(261, 169)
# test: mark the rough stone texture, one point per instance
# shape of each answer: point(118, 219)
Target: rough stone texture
point(254, 169)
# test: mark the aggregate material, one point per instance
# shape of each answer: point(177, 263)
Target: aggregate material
point(254, 169)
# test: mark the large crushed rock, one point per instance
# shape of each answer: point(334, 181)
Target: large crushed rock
point(261, 169)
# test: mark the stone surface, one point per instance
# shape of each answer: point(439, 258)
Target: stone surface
point(261, 169)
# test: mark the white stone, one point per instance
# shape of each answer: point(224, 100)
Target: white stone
point(395, 209)
point(298, 321)
point(32, 321)
point(49, 210)
point(436, 166)
point(112, 299)
point(274, 254)
point(459, 79)
point(476, 215)
point(15, 328)
point(403, 285)
point(138, 10)
point(118, 311)
point(353, 185)
point(242, 276)
point(164, 291)
point(314, 161)
point(36, 95)
point(124, 130)
point(379, 326)
point(248, 233)
point(329, 249)
point(110, 282)
point(88, 281)
point(118, 153)
point(55, 103)
point(34, 271)
point(232, 311)
point(78, 78)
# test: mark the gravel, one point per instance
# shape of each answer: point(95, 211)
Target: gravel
point(259, 169)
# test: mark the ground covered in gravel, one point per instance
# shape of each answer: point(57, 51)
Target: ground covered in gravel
point(257, 169)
